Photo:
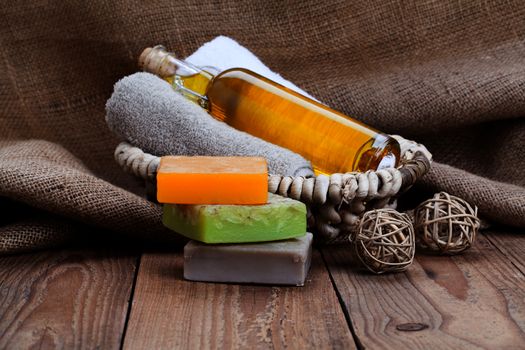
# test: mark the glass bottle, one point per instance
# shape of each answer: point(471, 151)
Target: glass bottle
point(247, 101)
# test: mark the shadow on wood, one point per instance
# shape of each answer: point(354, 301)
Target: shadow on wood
point(169, 312)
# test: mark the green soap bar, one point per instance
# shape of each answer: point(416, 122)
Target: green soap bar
point(280, 218)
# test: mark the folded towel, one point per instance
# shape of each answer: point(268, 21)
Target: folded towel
point(145, 111)
point(148, 113)
point(224, 53)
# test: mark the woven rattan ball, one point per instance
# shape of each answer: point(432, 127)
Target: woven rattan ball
point(445, 224)
point(385, 241)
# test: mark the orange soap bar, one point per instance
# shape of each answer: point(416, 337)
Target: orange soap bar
point(212, 180)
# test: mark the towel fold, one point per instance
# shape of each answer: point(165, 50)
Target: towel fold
point(225, 53)
point(148, 113)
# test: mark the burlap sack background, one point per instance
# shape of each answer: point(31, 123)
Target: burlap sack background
point(449, 74)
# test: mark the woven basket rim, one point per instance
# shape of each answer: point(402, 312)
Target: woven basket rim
point(415, 161)
point(334, 202)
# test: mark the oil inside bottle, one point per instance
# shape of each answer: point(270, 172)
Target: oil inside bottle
point(249, 102)
point(330, 140)
point(193, 86)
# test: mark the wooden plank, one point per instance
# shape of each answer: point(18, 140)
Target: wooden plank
point(511, 244)
point(474, 300)
point(169, 312)
point(65, 299)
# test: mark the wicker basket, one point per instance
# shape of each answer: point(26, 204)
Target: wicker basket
point(335, 203)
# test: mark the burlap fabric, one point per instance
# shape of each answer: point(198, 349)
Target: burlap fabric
point(448, 74)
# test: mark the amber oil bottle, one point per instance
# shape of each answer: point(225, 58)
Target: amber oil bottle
point(247, 101)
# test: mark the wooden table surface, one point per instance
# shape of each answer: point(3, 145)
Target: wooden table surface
point(131, 298)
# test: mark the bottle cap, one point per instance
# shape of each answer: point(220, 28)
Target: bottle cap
point(157, 60)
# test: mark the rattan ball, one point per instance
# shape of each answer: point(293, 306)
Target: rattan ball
point(384, 241)
point(445, 224)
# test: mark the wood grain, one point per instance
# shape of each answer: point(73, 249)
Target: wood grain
point(64, 299)
point(475, 300)
point(169, 312)
point(511, 244)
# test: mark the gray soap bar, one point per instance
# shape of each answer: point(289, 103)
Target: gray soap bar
point(278, 262)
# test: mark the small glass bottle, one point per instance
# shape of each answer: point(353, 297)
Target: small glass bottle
point(331, 141)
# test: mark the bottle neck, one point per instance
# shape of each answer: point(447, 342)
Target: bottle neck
point(190, 81)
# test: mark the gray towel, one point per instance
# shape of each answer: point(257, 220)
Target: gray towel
point(145, 111)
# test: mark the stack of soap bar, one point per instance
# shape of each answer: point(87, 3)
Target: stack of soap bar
point(224, 204)
point(281, 262)
point(212, 180)
point(280, 218)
